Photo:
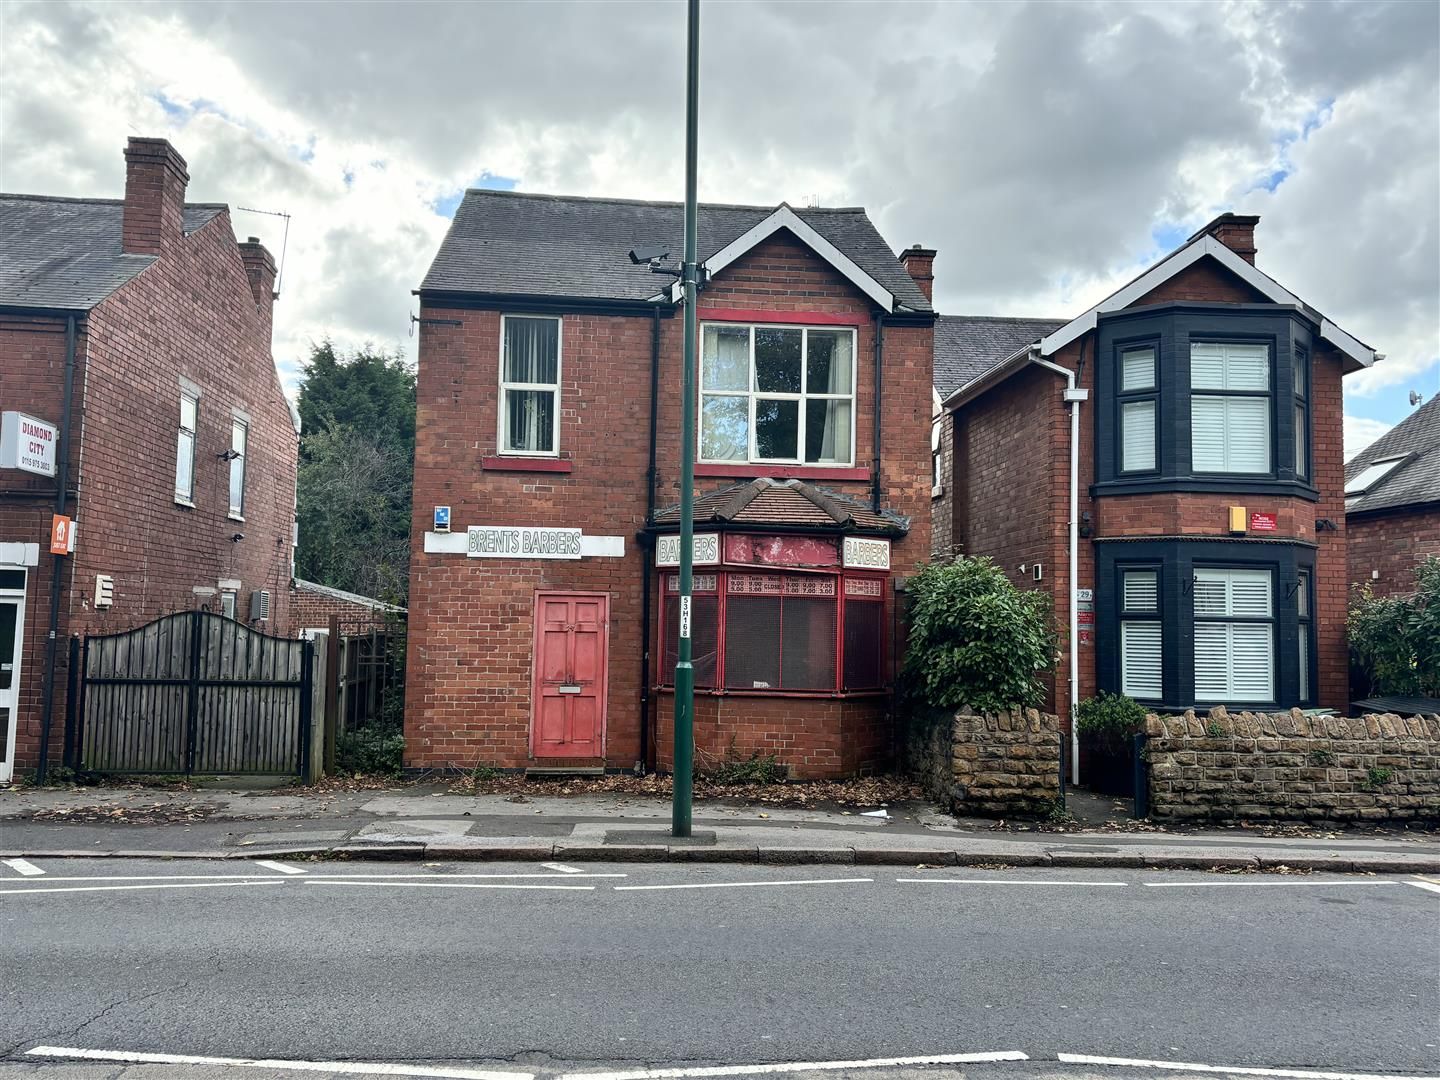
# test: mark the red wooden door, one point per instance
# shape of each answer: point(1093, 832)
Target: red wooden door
point(571, 669)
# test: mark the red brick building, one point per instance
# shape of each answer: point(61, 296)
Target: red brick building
point(312, 606)
point(542, 619)
point(182, 447)
point(1210, 521)
point(1392, 503)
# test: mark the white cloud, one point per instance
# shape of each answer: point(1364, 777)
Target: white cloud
point(1360, 433)
point(1041, 147)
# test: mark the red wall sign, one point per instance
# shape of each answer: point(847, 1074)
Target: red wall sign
point(1262, 522)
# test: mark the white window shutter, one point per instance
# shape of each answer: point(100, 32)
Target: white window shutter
point(1207, 434)
point(1304, 662)
point(1250, 593)
point(1137, 435)
point(1252, 662)
point(1212, 662)
point(1142, 590)
point(1247, 367)
point(1140, 659)
point(1137, 369)
point(1247, 435)
point(1211, 593)
point(1207, 366)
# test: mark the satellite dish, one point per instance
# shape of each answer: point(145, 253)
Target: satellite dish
point(1415, 397)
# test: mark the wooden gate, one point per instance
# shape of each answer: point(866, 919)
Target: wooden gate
point(191, 693)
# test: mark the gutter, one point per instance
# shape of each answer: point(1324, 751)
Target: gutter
point(1073, 396)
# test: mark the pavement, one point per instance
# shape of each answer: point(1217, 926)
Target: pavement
point(641, 971)
point(420, 822)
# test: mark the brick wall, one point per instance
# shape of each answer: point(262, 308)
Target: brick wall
point(312, 610)
point(1004, 764)
point(471, 620)
point(943, 538)
point(1394, 543)
point(1287, 766)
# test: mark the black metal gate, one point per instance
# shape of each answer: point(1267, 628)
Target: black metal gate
point(192, 693)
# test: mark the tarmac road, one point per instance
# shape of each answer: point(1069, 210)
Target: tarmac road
point(694, 966)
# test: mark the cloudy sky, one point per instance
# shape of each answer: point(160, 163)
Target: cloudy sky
point(1049, 150)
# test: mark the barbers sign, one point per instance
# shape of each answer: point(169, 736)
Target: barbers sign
point(521, 542)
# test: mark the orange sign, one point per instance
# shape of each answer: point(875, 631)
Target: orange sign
point(62, 534)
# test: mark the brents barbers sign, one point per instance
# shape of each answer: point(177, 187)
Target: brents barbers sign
point(518, 542)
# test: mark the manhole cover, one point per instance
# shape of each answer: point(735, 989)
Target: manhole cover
point(700, 837)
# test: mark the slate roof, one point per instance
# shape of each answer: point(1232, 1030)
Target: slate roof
point(787, 502)
point(1412, 484)
point(514, 243)
point(65, 253)
point(967, 346)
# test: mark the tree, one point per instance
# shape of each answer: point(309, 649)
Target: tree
point(976, 639)
point(357, 452)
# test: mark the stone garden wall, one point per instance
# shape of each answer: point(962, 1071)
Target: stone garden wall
point(1271, 766)
point(1004, 764)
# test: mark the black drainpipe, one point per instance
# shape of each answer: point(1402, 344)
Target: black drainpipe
point(645, 613)
point(57, 563)
point(879, 387)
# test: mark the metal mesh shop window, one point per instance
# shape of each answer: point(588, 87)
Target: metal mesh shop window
point(752, 642)
point(807, 650)
point(704, 638)
point(864, 645)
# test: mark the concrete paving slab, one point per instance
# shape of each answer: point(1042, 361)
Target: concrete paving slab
point(298, 836)
point(413, 827)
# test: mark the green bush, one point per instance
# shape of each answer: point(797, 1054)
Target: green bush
point(975, 639)
point(1395, 640)
point(375, 751)
point(1110, 719)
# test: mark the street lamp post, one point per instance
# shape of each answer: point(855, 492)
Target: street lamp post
point(684, 671)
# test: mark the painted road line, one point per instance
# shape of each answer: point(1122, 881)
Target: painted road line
point(284, 868)
point(742, 885)
point(129, 888)
point(347, 1068)
point(561, 868)
point(1258, 881)
point(431, 875)
point(996, 881)
point(446, 885)
point(1235, 1070)
point(799, 1066)
point(23, 867)
point(1425, 883)
point(167, 877)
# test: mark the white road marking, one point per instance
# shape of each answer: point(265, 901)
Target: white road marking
point(168, 877)
point(743, 885)
point(984, 881)
point(561, 868)
point(447, 877)
point(799, 1066)
point(446, 885)
point(1261, 881)
point(349, 1068)
point(23, 867)
point(284, 868)
point(1237, 1070)
point(1425, 883)
point(357, 876)
point(127, 888)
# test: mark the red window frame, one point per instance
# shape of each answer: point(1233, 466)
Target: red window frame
point(849, 588)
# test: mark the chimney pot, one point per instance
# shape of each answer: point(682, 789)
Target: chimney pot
point(919, 262)
point(252, 239)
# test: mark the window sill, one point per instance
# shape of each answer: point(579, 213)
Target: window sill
point(185, 503)
point(233, 516)
point(747, 471)
point(841, 695)
point(526, 464)
point(1220, 485)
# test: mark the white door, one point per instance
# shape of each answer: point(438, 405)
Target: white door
point(12, 630)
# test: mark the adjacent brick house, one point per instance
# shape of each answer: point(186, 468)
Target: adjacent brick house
point(312, 606)
point(182, 448)
point(1392, 503)
point(547, 427)
point(1211, 535)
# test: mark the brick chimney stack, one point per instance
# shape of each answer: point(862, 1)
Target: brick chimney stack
point(1235, 231)
point(154, 213)
point(260, 269)
point(920, 263)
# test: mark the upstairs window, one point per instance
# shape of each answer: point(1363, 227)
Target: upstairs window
point(781, 394)
point(1234, 635)
point(1300, 384)
point(239, 440)
point(1138, 406)
point(185, 448)
point(530, 385)
point(1230, 408)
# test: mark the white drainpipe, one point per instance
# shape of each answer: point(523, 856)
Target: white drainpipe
point(1073, 397)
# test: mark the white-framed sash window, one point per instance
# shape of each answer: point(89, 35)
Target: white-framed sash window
point(185, 447)
point(530, 385)
point(1230, 408)
point(239, 447)
point(782, 394)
